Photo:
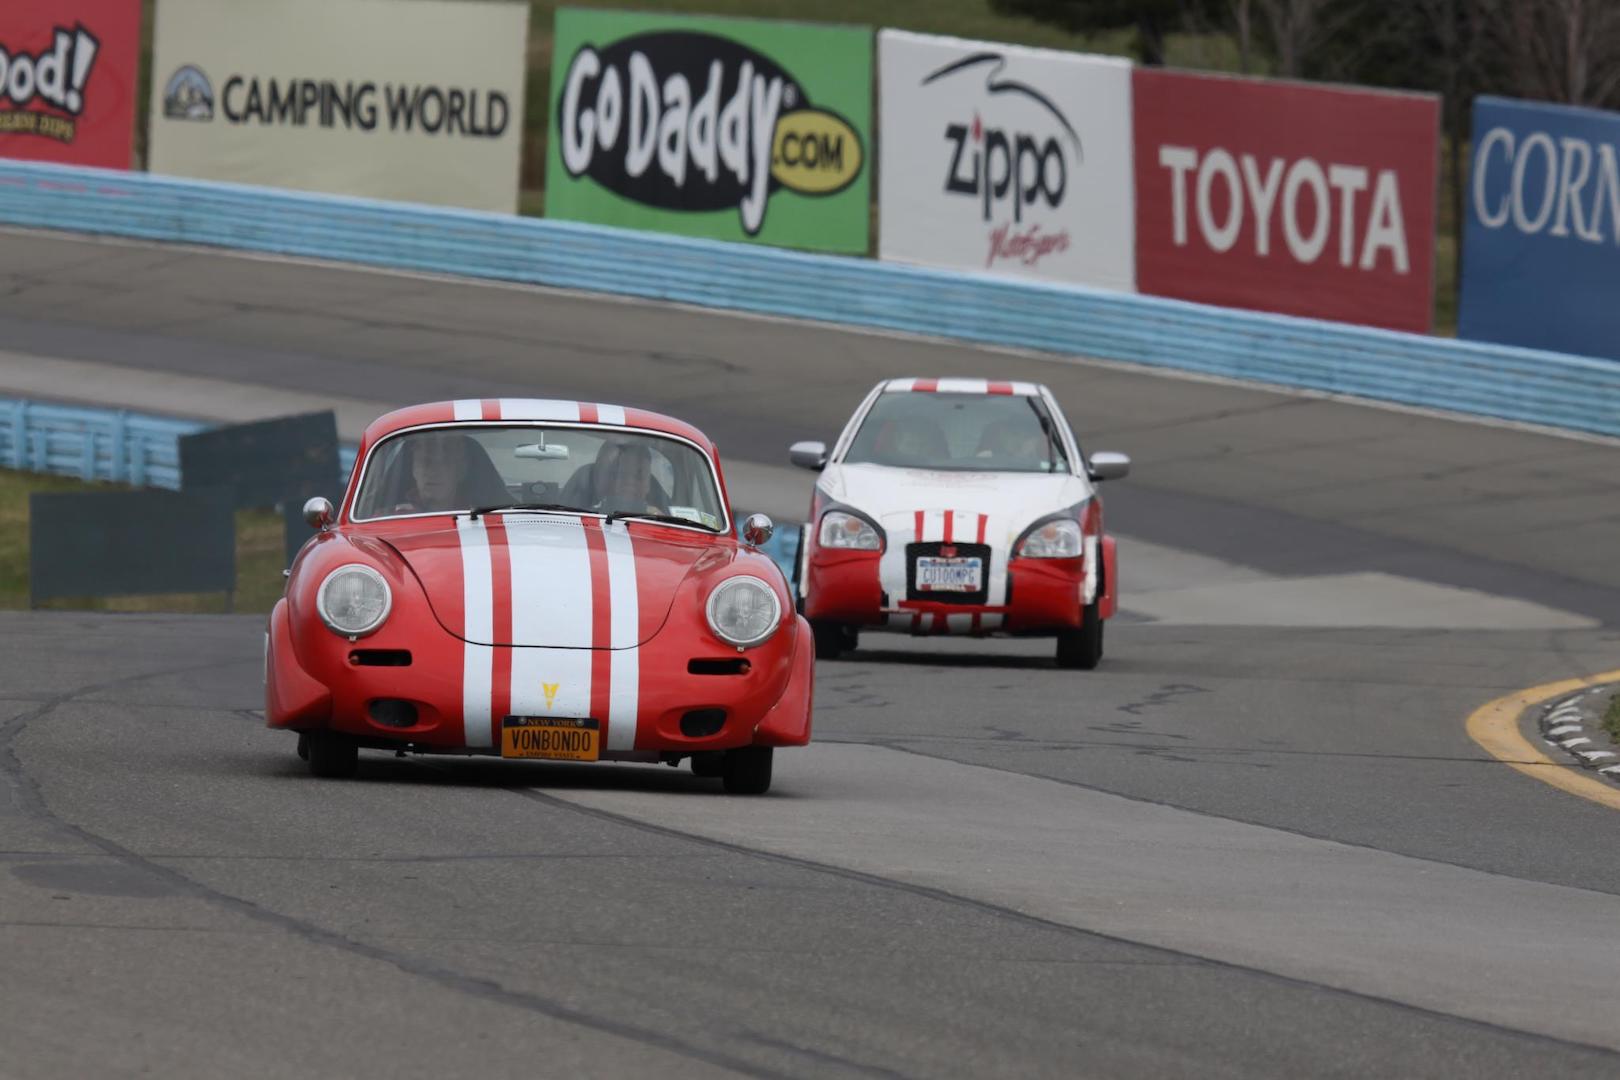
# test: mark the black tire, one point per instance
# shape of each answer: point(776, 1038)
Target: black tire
point(1082, 649)
point(709, 764)
point(832, 640)
point(747, 771)
point(303, 746)
point(333, 756)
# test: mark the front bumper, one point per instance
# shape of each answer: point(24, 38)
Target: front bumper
point(317, 683)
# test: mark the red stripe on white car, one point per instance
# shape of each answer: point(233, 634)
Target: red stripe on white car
point(924, 386)
point(999, 388)
point(587, 412)
point(500, 591)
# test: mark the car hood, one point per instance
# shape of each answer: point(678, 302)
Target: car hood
point(1009, 501)
point(550, 580)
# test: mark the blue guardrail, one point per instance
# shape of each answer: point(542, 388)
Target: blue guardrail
point(1471, 377)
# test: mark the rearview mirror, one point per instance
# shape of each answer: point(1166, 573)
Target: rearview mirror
point(1107, 465)
point(553, 452)
point(808, 455)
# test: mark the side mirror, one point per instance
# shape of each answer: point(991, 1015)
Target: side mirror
point(808, 455)
point(318, 513)
point(1107, 465)
point(757, 529)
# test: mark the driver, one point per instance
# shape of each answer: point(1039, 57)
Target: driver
point(445, 470)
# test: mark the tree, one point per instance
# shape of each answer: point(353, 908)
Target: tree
point(1563, 50)
point(1153, 20)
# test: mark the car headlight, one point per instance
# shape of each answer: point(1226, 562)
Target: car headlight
point(841, 530)
point(1058, 538)
point(743, 611)
point(354, 600)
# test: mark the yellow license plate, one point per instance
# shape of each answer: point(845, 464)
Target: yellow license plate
point(557, 737)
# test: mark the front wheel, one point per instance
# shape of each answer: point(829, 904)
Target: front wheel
point(747, 771)
point(1082, 649)
point(332, 755)
point(833, 639)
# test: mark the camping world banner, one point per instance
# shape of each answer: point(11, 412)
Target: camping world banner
point(67, 80)
point(733, 129)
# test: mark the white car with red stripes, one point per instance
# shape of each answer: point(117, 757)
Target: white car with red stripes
point(958, 506)
point(539, 579)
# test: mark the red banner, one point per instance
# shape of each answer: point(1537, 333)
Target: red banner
point(67, 80)
point(1278, 196)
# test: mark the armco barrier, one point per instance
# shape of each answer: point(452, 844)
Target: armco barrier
point(1512, 383)
point(101, 444)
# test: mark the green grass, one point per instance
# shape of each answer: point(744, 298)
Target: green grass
point(1611, 719)
point(259, 557)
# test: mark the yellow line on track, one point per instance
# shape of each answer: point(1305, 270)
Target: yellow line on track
point(1495, 726)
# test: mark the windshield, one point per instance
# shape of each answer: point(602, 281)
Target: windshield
point(961, 432)
point(448, 469)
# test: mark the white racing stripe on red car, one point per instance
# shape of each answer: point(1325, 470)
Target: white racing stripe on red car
point(539, 409)
point(624, 672)
point(610, 414)
point(469, 409)
point(478, 661)
point(551, 602)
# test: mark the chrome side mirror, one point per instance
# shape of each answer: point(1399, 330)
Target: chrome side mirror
point(808, 455)
point(318, 513)
point(757, 529)
point(1107, 465)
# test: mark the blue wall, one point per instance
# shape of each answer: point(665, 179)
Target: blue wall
point(1541, 244)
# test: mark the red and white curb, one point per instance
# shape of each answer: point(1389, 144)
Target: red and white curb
point(1574, 724)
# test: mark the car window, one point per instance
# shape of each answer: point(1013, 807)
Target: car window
point(444, 469)
point(961, 432)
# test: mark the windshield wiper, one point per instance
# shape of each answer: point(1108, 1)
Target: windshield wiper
point(664, 519)
point(548, 507)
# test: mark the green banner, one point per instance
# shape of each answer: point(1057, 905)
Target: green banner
point(734, 129)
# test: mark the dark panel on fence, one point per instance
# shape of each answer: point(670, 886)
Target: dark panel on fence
point(120, 543)
point(264, 461)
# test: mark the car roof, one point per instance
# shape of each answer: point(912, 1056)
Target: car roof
point(517, 410)
point(961, 386)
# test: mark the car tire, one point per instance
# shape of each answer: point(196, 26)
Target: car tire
point(1082, 649)
point(709, 764)
point(833, 640)
point(747, 771)
point(332, 755)
point(303, 746)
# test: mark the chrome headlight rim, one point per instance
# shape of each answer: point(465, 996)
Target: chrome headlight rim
point(737, 581)
point(366, 571)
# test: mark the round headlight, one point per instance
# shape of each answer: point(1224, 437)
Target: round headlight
point(354, 600)
point(743, 611)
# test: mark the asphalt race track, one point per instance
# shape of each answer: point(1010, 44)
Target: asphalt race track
point(1257, 842)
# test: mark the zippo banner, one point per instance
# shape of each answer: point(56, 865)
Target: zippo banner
point(1008, 159)
point(735, 129)
point(419, 100)
point(1541, 243)
point(67, 80)
point(1277, 196)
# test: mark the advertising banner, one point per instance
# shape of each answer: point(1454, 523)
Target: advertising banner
point(1541, 239)
point(418, 100)
point(1278, 196)
point(1008, 159)
point(67, 80)
point(734, 129)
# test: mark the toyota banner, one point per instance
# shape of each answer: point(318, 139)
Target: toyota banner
point(1006, 159)
point(67, 80)
point(1541, 242)
point(734, 129)
point(1280, 196)
point(419, 101)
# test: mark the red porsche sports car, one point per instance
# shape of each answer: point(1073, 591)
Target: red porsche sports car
point(539, 579)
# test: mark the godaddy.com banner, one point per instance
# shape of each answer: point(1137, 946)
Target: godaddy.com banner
point(419, 100)
point(735, 129)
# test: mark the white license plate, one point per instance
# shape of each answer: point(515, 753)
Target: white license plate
point(949, 575)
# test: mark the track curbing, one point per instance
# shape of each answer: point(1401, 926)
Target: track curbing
point(1495, 727)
